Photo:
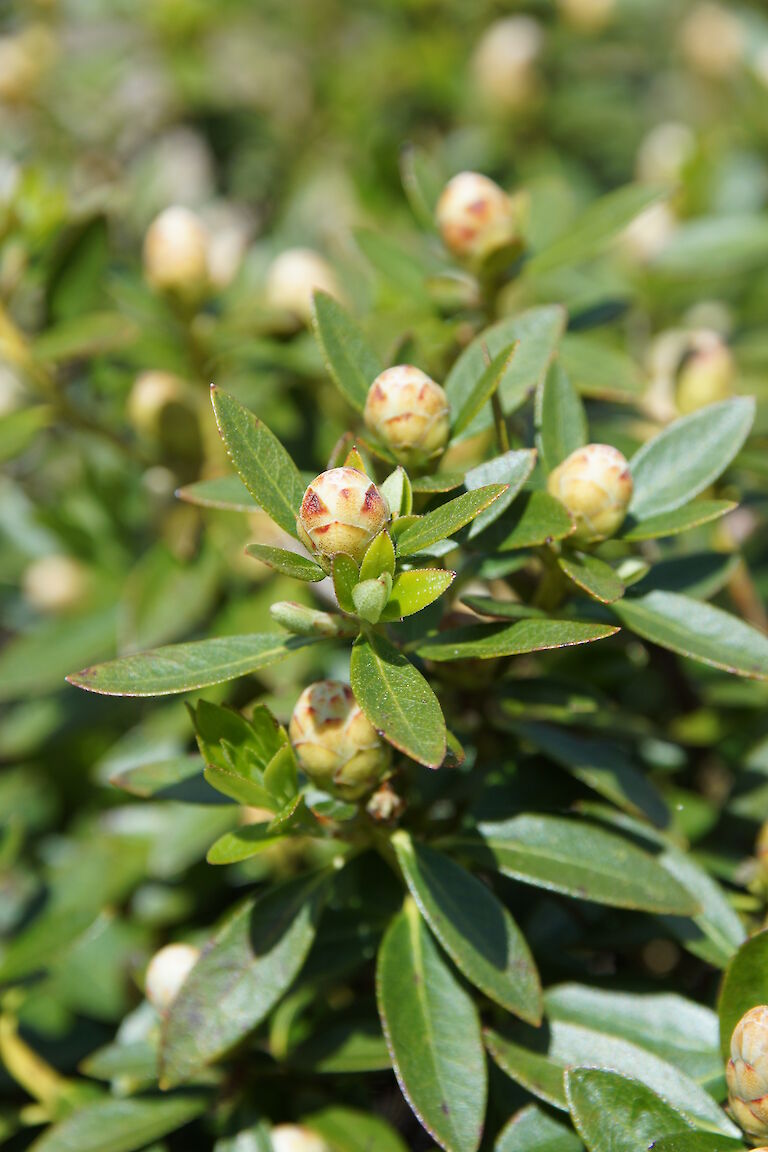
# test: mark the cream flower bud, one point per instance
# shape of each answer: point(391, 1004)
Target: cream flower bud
point(296, 1138)
point(747, 1072)
point(55, 584)
point(167, 971)
point(712, 40)
point(342, 511)
point(335, 743)
point(294, 276)
point(588, 15)
point(410, 413)
point(595, 485)
point(24, 57)
point(151, 393)
point(707, 374)
point(176, 253)
point(504, 62)
point(474, 215)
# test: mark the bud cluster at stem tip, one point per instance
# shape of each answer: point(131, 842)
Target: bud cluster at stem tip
point(410, 413)
point(342, 510)
point(595, 485)
point(335, 743)
point(747, 1072)
point(475, 216)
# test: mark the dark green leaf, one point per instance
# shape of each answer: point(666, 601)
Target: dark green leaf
point(184, 667)
point(288, 563)
point(678, 520)
point(348, 358)
point(473, 927)
point(484, 388)
point(86, 336)
point(433, 1033)
point(536, 518)
point(700, 631)
point(487, 641)
point(349, 1130)
point(688, 456)
point(536, 1072)
point(447, 519)
point(744, 986)
point(225, 492)
point(264, 466)
point(512, 469)
point(534, 1130)
point(615, 1114)
point(397, 700)
point(561, 422)
point(246, 968)
point(592, 575)
point(120, 1125)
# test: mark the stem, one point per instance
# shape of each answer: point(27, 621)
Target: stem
point(502, 435)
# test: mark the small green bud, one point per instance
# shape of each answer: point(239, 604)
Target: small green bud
point(342, 511)
point(595, 485)
point(475, 216)
point(410, 414)
point(335, 743)
point(176, 253)
point(167, 971)
point(305, 621)
point(370, 597)
point(747, 1072)
point(293, 278)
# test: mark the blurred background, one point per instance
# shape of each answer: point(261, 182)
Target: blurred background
point(323, 129)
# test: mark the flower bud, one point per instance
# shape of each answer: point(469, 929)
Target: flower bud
point(712, 40)
point(55, 584)
point(24, 58)
point(296, 1138)
point(587, 15)
point(747, 1072)
point(504, 63)
point(167, 971)
point(294, 276)
point(707, 374)
point(409, 413)
point(342, 511)
point(475, 216)
point(150, 394)
point(595, 485)
point(335, 743)
point(176, 253)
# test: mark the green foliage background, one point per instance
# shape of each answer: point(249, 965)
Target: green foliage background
point(611, 792)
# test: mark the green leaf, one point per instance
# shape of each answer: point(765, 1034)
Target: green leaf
point(345, 577)
point(698, 630)
point(398, 492)
point(350, 361)
point(433, 1034)
point(688, 456)
point(534, 1130)
point(370, 596)
point(472, 926)
point(697, 1142)
point(678, 520)
point(85, 336)
point(581, 860)
point(615, 1114)
point(503, 609)
point(114, 1125)
point(592, 575)
point(561, 422)
point(264, 466)
point(678, 1030)
point(288, 563)
point(280, 775)
point(440, 482)
point(380, 557)
point(535, 1071)
point(246, 968)
point(483, 390)
point(395, 264)
point(397, 700)
point(414, 590)
point(698, 574)
point(599, 369)
point(487, 641)
point(225, 492)
point(447, 519)
point(242, 844)
point(601, 764)
point(185, 667)
point(37, 661)
point(595, 229)
point(536, 518)
point(19, 429)
point(715, 246)
point(745, 985)
point(350, 1130)
point(538, 330)
point(354, 1045)
point(147, 780)
point(511, 468)
point(716, 932)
